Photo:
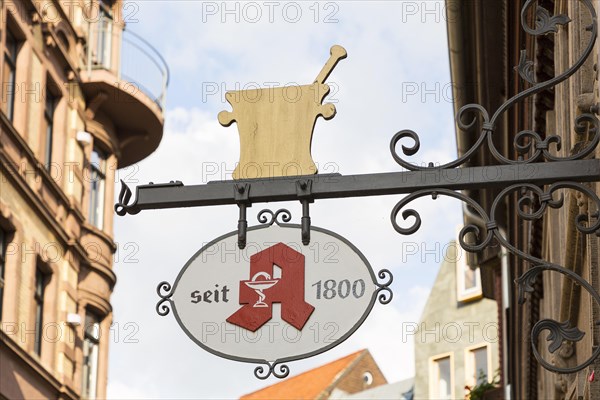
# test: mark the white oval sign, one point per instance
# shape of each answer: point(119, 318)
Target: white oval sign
point(276, 300)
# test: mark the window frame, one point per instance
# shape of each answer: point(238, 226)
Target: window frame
point(104, 33)
point(462, 293)
point(434, 375)
point(91, 348)
point(49, 112)
point(97, 187)
point(470, 374)
point(3, 245)
point(39, 292)
point(9, 59)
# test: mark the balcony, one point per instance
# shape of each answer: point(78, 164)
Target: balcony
point(126, 79)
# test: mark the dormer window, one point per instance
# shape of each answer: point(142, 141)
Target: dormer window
point(367, 378)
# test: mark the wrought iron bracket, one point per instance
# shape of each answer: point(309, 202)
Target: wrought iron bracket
point(534, 177)
point(304, 192)
point(242, 198)
point(164, 290)
point(154, 197)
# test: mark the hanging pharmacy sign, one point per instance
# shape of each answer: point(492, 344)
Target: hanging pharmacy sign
point(263, 297)
point(276, 300)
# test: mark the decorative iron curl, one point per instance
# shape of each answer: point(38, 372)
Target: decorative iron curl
point(531, 196)
point(559, 332)
point(530, 143)
point(476, 231)
point(544, 22)
point(412, 150)
point(480, 243)
point(269, 217)
point(525, 68)
point(161, 307)
point(473, 109)
point(384, 292)
point(583, 123)
point(124, 197)
point(276, 369)
point(546, 199)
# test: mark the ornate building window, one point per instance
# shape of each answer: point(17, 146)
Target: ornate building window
point(97, 187)
point(105, 35)
point(91, 342)
point(3, 243)
point(40, 287)
point(49, 127)
point(8, 80)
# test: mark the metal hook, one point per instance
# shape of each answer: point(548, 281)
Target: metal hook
point(305, 223)
point(304, 191)
point(242, 197)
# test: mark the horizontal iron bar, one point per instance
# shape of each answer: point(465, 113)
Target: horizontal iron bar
point(330, 186)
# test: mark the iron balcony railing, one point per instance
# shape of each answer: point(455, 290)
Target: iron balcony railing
point(130, 57)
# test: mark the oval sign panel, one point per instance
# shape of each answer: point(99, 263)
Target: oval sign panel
point(276, 300)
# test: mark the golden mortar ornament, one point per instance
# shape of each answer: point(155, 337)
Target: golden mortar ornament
point(276, 125)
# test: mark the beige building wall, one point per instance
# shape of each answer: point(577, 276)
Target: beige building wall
point(57, 249)
point(450, 329)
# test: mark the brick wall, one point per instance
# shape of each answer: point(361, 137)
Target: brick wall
point(353, 378)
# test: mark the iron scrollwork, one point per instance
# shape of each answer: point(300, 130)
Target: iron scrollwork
point(384, 292)
point(124, 198)
point(268, 217)
point(278, 370)
point(165, 292)
point(559, 331)
point(124, 205)
point(472, 238)
point(532, 200)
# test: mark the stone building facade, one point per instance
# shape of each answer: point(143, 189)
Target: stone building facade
point(71, 118)
point(486, 40)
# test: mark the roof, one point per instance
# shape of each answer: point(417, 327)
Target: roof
point(309, 384)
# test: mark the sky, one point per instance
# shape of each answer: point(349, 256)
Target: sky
point(396, 77)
